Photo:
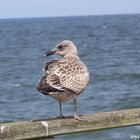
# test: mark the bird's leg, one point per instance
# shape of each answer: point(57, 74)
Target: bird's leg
point(75, 114)
point(61, 115)
point(60, 107)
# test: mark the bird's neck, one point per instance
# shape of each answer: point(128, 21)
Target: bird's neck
point(71, 55)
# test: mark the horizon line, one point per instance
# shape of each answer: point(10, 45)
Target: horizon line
point(63, 16)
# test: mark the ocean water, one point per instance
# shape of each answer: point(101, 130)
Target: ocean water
point(108, 45)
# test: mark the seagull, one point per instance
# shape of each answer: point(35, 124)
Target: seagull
point(66, 78)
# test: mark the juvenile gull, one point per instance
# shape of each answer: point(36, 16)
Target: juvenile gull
point(66, 78)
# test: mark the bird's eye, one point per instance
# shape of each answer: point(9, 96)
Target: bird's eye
point(60, 47)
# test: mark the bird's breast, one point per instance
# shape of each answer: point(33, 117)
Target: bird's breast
point(62, 96)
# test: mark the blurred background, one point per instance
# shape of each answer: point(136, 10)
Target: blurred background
point(108, 42)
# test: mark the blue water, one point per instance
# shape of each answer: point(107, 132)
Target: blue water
point(108, 45)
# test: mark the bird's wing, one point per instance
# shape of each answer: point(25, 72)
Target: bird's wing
point(75, 75)
point(65, 75)
point(50, 82)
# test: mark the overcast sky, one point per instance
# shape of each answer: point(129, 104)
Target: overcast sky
point(47, 8)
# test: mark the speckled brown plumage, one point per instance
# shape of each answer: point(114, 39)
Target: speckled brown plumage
point(66, 78)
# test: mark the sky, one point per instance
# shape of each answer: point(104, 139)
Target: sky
point(51, 8)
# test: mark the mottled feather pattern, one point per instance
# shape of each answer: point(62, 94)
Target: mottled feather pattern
point(68, 75)
point(72, 73)
point(65, 78)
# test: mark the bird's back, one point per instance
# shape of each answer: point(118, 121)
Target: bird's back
point(65, 75)
point(74, 74)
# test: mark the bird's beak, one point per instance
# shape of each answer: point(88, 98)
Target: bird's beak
point(50, 52)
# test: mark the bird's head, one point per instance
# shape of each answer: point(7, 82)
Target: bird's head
point(64, 48)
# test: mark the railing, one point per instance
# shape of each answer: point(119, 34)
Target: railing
point(53, 127)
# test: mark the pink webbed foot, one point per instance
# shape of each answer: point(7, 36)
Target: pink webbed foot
point(75, 116)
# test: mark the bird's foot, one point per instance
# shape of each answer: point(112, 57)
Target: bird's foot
point(64, 117)
point(61, 117)
point(75, 116)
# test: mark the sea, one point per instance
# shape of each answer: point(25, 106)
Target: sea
point(110, 47)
